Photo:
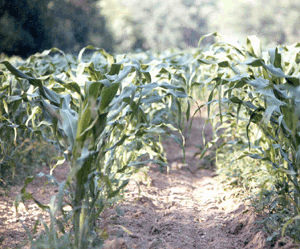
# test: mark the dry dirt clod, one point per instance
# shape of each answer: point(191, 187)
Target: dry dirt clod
point(236, 228)
point(115, 244)
point(157, 243)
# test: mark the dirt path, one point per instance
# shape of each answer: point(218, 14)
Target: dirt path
point(184, 208)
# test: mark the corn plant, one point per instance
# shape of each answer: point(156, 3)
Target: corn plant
point(256, 97)
point(106, 118)
point(18, 145)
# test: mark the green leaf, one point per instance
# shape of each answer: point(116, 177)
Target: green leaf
point(50, 95)
point(109, 57)
point(224, 64)
point(254, 62)
point(114, 193)
point(123, 74)
point(73, 86)
point(275, 57)
point(208, 35)
point(99, 127)
point(84, 120)
point(69, 124)
point(107, 95)
point(236, 100)
point(254, 46)
point(277, 72)
point(20, 74)
point(28, 180)
point(115, 69)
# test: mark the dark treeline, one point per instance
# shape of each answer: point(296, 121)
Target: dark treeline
point(30, 26)
point(22, 27)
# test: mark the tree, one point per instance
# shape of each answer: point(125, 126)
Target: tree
point(30, 26)
point(22, 27)
point(166, 24)
point(275, 22)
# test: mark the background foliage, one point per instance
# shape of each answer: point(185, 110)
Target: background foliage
point(27, 27)
point(275, 22)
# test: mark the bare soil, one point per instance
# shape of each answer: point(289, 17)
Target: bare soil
point(186, 207)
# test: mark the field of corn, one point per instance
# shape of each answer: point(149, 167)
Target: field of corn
point(106, 116)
